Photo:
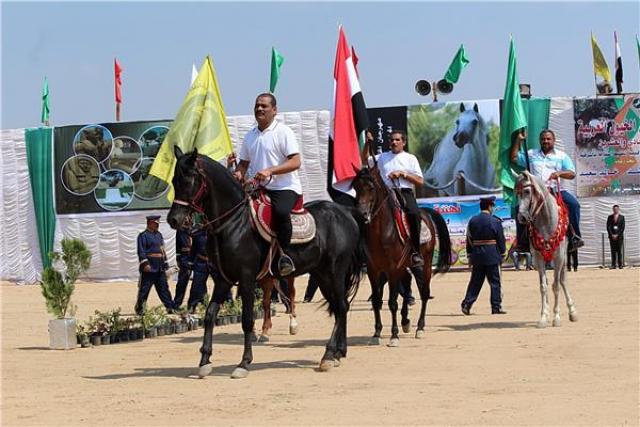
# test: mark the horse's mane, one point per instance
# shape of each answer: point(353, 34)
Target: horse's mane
point(215, 169)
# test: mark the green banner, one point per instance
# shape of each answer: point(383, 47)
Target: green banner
point(38, 142)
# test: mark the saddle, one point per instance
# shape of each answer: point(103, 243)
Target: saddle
point(302, 222)
point(402, 223)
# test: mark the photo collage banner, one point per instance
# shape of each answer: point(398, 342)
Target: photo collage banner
point(105, 167)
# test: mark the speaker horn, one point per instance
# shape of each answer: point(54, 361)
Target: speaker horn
point(423, 87)
point(444, 87)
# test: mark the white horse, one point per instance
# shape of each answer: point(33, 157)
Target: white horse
point(547, 221)
point(463, 149)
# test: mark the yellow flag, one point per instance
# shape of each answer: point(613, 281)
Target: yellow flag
point(200, 123)
point(600, 68)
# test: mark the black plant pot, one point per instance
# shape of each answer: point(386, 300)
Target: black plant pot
point(123, 336)
point(162, 331)
point(115, 338)
point(106, 339)
point(151, 333)
point(96, 340)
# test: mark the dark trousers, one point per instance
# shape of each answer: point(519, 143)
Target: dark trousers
point(159, 280)
point(572, 258)
point(574, 210)
point(413, 216)
point(616, 252)
point(478, 274)
point(181, 286)
point(282, 201)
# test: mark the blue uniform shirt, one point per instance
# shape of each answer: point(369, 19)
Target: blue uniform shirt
point(183, 249)
point(151, 251)
point(481, 229)
point(199, 250)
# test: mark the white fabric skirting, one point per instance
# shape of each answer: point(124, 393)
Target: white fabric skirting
point(111, 237)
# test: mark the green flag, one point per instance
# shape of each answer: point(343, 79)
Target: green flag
point(513, 118)
point(276, 63)
point(457, 65)
point(44, 116)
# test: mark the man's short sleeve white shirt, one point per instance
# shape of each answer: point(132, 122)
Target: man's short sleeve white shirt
point(543, 165)
point(389, 162)
point(269, 148)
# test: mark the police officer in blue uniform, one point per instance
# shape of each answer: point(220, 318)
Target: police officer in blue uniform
point(184, 261)
point(201, 268)
point(153, 265)
point(485, 248)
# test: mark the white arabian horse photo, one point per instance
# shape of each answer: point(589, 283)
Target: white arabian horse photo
point(463, 149)
point(547, 219)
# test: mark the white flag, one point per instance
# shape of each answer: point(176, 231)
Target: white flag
point(194, 73)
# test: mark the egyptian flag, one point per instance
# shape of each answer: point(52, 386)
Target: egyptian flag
point(618, 65)
point(349, 123)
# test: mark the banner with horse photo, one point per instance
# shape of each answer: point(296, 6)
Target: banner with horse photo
point(105, 167)
point(608, 145)
point(457, 145)
point(457, 211)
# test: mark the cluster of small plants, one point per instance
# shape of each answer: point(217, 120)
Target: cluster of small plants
point(110, 327)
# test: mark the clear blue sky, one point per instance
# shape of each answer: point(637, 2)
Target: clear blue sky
point(74, 44)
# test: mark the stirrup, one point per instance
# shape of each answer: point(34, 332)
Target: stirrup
point(417, 260)
point(285, 265)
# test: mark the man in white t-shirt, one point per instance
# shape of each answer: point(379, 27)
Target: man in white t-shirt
point(401, 169)
point(272, 149)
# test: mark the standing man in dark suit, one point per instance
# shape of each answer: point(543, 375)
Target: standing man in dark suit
point(485, 248)
point(184, 261)
point(153, 266)
point(615, 229)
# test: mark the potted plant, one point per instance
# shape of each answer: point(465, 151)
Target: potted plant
point(149, 321)
point(83, 336)
point(57, 288)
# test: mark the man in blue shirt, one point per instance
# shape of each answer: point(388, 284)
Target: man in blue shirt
point(485, 248)
point(549, 164)
point(153, 265)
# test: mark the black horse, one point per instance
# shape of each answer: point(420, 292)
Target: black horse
point(333, 257)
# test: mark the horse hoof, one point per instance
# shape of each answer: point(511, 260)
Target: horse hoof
point(239, 373)
point(556, 322)
point(573, 317)
point(406, 328)
point(327, 365)
point(205, 370)
point(293, 328)
point(374, 341)
point(394, 342)
point(262, 339)
point(541, 325)
point(419, 334)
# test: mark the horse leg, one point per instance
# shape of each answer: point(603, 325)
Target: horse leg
point(573, 312)
point(267, 288)
point(220, 292)
point(556, 302)
point(336, 300)
point(405, 322)
point(246, 292)
point(293, 323)
point(376, 304)
point(423, 281)
point(393, 307)
point(544, 314)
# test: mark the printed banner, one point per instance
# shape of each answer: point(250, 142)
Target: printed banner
point(457, 146)
point(607, 145)
point(105, 168)
point(382, 121)
point(457, 211)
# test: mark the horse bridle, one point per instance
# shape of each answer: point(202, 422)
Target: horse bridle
point(196, 204)
point(535, 195)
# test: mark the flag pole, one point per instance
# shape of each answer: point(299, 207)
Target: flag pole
point(117, 112)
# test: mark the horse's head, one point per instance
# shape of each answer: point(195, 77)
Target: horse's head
point(466, 125)
point(531, 195)
point(367, 190)
point(189, 186)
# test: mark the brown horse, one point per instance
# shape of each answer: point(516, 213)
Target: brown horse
point(387, 255)
point(268, 284)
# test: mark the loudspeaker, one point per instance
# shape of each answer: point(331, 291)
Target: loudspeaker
point(444, 87)
point(423, 87)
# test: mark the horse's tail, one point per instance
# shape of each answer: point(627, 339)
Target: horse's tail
point(354, 271)
point(444, 242)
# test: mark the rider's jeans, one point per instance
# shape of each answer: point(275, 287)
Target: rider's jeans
point(574, 210)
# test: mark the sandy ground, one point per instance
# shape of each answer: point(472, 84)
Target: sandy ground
point(476, 370)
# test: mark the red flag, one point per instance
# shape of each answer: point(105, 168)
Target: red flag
point(349, 120)
point(118, 79)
